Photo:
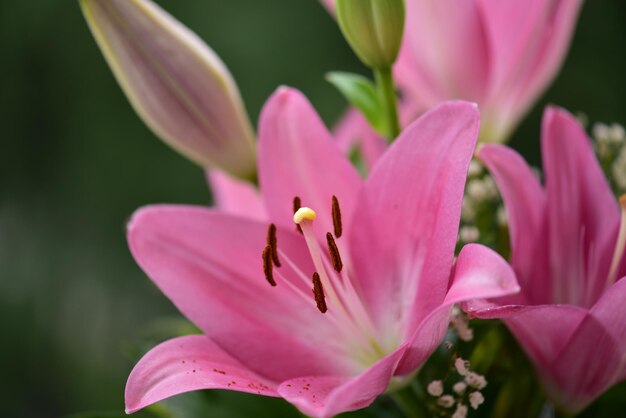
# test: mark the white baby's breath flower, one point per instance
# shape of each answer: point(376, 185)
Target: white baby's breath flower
point(446, 401)
point(435, 388)
point(476, 399)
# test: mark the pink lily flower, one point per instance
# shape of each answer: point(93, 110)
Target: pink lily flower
point(568, 253)
point(378, 254)
point(502, 55)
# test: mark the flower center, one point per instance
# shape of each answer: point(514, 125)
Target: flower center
point(335, 293)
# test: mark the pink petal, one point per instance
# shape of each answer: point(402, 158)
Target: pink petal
point(553, 50)
point(449, 50)
point(512, 30)
point(186, 364)
point(479, 273)
point(593, 359)
point(327, 396)
point(298, 157)
point(209, 264)
point(583, 217)
point(543, 331)
point(409, 212)
point(524, 200)
point(529, 41)
point(235, 196)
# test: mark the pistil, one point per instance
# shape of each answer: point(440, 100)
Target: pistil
point(304, 217)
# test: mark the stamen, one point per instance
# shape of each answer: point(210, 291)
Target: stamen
point(304, 217)
point(297, 204)
point(268, 266)
point(318, 292)
point(336, 211)
point(272, 242)
point(620, 244)
point(334, 253)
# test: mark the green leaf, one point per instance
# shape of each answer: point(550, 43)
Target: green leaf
point(362, 94)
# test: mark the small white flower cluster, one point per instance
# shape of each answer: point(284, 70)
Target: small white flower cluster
point(610, 146)
point(607, 137)
point(460, 324)
point(481, 192)
point(465, 391)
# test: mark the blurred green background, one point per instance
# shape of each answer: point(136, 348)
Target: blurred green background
point(75, 162)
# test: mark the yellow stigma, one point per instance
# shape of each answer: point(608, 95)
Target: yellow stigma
point(304, 214)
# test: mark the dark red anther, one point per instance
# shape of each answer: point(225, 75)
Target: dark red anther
point(336, 211)
point(334, 253)
point(272, 242)
point(268, 266)
point(318, 292)
point(297, 204)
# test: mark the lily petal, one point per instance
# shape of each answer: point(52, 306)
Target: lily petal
point(175, 82)
point(209, 264)
point(235, 196)
point(298, 157)
point(449, 48)
point(186, 364)
point(327, 396)
point(479, 273)
point(529, 42)
point(524, 200)
point(583, 216)
point(411, 205)
point(582, 372)
point(542, 330)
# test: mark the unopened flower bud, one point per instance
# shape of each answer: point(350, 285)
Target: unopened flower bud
point(373, 28)
point(175, 82)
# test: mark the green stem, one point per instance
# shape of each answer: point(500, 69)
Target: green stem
point(407, 404)
point(387, 90)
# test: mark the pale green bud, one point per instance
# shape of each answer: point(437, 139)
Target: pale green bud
point(373, 28)
point(175, 82)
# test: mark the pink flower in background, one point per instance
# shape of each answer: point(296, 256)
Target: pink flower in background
point(378, 254)
point(568, 254)
point(499, 54)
